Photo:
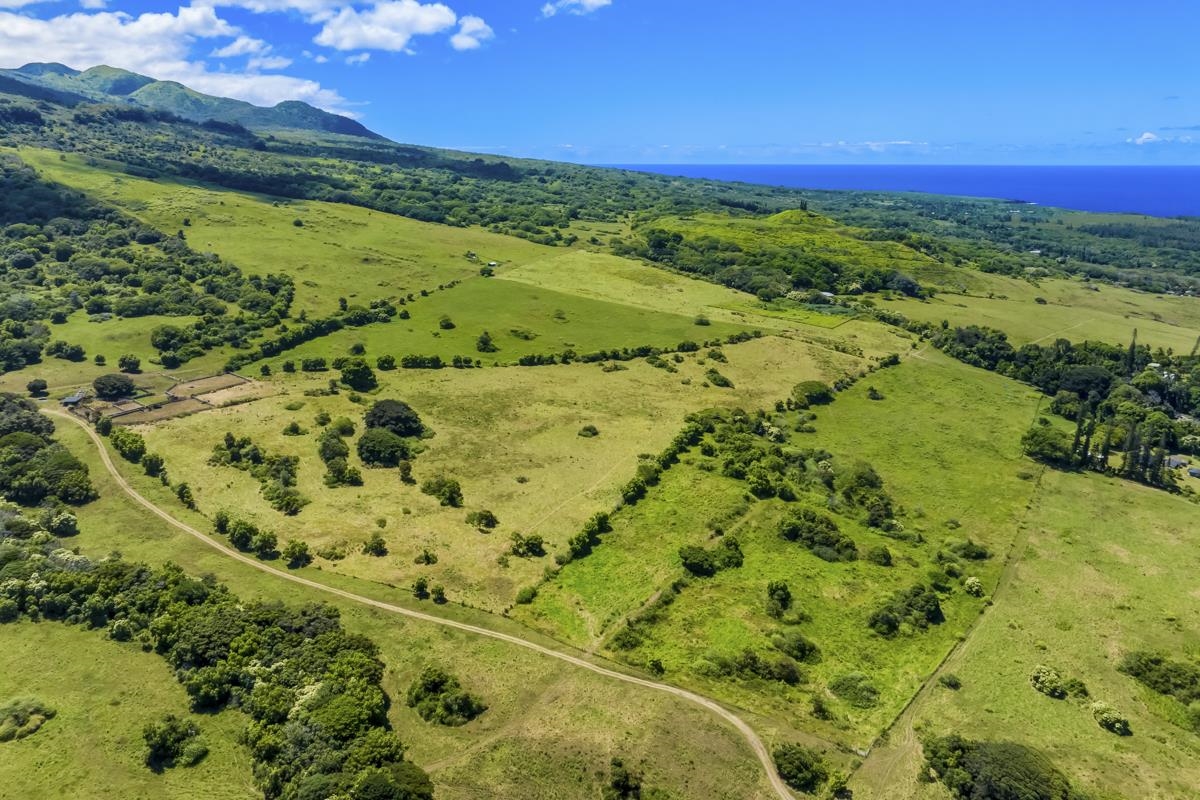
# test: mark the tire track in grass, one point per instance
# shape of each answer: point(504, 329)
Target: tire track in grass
point(756, 744)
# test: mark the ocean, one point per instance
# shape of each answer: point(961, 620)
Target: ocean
point(1154, 191)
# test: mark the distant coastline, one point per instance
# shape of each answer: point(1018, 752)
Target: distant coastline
point(1151, 190)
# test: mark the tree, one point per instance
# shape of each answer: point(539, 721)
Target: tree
point(779, 598)
point(438, 593)
point(152, 463)
point(484, 343)
point(375, 546)
point(385, 363)
point(395, 416)
point(36, 387)
point(296, 553)
point(264, 544)
point(111, 387)
point(1048, 444)
point(172, 741)
point(800, 767)
point(184, 493)
point(445, 489)
point(811, 393)
point(380, 447)
point(357, 375)
point(167, 338)
point(483, 519)
point(129, 363)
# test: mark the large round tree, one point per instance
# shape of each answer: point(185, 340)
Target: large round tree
point(395, 416)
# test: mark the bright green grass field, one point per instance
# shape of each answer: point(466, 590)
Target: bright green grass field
point(521, 319)
point(958, 459)
point(1109, 567)
point(104, 693)
point(550, 728)
point(340, 251)
point(1074, 310)
point(492, 427)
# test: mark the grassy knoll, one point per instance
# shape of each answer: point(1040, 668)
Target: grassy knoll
point(510, 436)
point(607, 277)
point(339, 251)
point(522, 320)
point(104, 693)
point(812, 234)
point(1109, 566)
point(550, 729)
point(1073, 310)
point(957, 472)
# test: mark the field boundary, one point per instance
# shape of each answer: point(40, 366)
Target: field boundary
point(748, 733)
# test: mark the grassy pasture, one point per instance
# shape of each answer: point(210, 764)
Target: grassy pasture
point(104, 692)
point(959, 462)
point(1108, 567)
point(112, 339)
point(492, 427)
point(1073, 310)
point(521, 319)
point(339, 251)
point(550, 728)
point(602, 276)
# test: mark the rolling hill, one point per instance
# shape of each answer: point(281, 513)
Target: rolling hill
point(104, 84)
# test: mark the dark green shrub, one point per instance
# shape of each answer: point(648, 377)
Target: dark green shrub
point(856, 689)
point(819, 533)
point(995, 771)
point(438, 697)
point(801, 768)
point(382, 448)
point(445, 489)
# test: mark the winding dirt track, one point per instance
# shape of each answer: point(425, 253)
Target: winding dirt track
point(756, 744)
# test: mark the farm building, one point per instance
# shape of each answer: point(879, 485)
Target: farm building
point(75, 398)
point(1175, 462)
point(1194, 472)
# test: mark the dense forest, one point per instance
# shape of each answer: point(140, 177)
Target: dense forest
point(61, 253)
point(317, 714)
point(1123, 400)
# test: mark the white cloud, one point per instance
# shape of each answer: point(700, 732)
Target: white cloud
point(360, 58)
point(312, 10)
point(472, 31)
point(154, 44)
point(573, 6)
point(1146, 138)
point(268, 62)
point(242, 46)
point(18, 3)
point(93, 4)
point(389, 25)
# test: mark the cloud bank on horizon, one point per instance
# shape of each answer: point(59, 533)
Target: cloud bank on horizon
point(195, 44)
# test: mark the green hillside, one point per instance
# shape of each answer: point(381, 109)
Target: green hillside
point(411, 473)
point(104, 84)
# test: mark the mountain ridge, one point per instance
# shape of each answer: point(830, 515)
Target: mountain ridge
point(105, 84)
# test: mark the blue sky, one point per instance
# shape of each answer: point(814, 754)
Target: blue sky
point(672, 81)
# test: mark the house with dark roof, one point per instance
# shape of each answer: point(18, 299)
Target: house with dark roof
point(1194, 472)
point(1175, 462)
point(75, 398)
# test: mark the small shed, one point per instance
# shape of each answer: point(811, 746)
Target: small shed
point(75, 398)
point(1194, 472)
point(1175, 462)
